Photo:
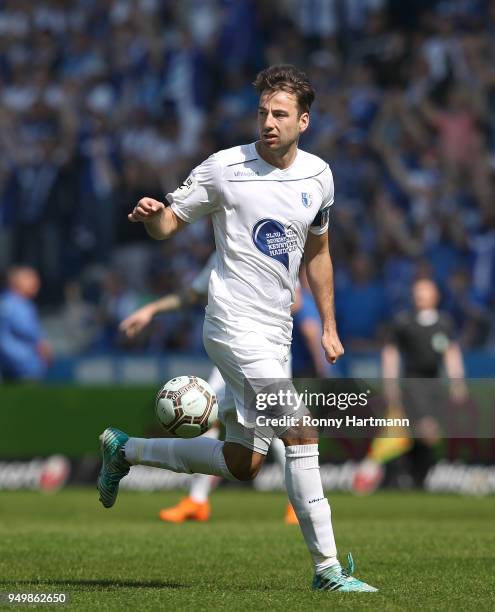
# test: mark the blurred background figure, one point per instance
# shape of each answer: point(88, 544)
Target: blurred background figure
point(308, 358)
point(24, 351)
point(420, 346)
point(362, 306)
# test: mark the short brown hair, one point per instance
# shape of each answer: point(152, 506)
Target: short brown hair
point(285, 77)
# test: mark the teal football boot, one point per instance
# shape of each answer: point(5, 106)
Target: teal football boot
point(114, 466)
point(336, 578)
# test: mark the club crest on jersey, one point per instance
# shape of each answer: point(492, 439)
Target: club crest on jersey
point(306, 199)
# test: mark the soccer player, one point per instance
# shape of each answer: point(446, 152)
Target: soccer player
point(269, 203)
point(422, 339)
point(196, 506)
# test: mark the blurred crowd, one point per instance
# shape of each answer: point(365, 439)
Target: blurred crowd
point(104, 101)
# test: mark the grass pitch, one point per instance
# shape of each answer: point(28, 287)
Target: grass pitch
point(427, 552)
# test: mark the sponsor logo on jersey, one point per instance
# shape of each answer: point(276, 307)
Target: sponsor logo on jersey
point(306, 199)
point(246, 173)
point(186, 188)
point(275, 240)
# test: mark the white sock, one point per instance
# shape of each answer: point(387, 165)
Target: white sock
point(200, 487)
point(277, 447)
point(303, 482)
point(201, 483)
point(190, 456)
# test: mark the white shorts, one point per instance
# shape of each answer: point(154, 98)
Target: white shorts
point(246, 355)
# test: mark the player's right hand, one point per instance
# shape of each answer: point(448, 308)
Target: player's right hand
point(145, 210)
point(332, 345)
point(137, 321)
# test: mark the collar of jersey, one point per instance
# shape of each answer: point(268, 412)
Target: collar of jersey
point(283, 171)
point(427, 317)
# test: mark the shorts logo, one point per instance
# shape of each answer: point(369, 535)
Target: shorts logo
point(274, 240)
point(306, 199)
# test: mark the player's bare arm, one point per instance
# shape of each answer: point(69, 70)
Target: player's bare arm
point(320, 277)
point(390, 358)
point(142, 317)
point(454, 367)
point(159, 220)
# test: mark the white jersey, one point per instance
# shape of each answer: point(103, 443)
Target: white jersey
point(261, 218)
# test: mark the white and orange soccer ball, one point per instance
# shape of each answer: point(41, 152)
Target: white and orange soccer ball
point(186, 406)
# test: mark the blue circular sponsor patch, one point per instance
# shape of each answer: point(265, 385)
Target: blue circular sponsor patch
point(274, 240)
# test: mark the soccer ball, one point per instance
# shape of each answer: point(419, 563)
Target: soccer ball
point(186, 406)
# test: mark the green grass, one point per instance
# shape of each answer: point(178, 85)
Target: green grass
point(424, 552)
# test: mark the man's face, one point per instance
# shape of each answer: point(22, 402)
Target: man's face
point(26, 282)
point(425, 295)
point(279, 120)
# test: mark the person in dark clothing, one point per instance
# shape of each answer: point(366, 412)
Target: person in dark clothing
point(422, 342)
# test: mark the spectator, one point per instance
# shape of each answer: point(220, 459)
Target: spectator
point(468, 310)
point(362, 307)
point(24, 353)
point(308, 359)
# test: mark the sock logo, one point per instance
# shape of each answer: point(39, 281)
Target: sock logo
point(312, 501)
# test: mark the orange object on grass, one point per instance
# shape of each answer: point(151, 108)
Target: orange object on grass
point(186, 510)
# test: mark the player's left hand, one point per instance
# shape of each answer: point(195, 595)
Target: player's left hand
point(332, 345)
